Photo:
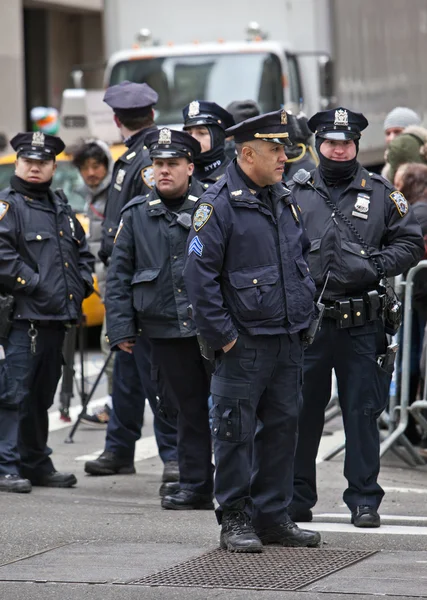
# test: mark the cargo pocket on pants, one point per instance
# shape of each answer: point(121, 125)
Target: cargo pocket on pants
point(231, 412)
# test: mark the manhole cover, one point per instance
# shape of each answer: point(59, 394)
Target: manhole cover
point(275, 569)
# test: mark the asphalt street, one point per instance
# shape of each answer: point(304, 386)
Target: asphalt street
point(98, 540)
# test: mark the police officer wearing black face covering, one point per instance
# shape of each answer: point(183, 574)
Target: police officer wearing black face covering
point(46, 270)
point(361, 230)
point(146, 294)
point(207, 122)
point(252, 295)
point(132, 104)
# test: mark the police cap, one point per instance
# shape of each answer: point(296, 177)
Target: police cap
point(200, 112)
point(130, 99)
point(338, 124)
point(37, 145)
point(169, 143)
point(269, 127)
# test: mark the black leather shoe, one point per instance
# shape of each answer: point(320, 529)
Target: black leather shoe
point(365, 516)
point(238, 534)
point(188, 500)
point(55, 479)
point(14, 483)
point(289, 534)
point(300, 515)
point(109, 464)
point(170, 471)
point(168, 488)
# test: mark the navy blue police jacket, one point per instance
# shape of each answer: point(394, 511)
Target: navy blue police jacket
point(145, 286)
point(382, 218)
point(45, 260)
point(132, 176)
point(246, 268)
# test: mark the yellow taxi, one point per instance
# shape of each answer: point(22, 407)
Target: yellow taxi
point(68, 179)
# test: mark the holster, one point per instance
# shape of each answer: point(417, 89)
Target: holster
point(7, 306)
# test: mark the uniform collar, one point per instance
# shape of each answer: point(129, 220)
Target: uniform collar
point(155, 206)
point(241, 192)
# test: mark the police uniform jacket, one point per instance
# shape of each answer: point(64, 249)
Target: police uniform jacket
point(45, 261)
point(246, 267)
point(382, 218)
point(145, 286)
point(132, 176)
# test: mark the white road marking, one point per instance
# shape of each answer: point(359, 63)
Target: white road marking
point(145, 448)
point(56, 423)
point(405, 490)
point(346, 517)
point(348, 528)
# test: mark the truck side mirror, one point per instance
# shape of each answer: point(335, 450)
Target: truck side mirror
point(326, 81)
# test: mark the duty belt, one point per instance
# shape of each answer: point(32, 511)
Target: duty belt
point(355, 312)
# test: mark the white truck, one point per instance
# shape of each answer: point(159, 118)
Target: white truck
point(367, 55)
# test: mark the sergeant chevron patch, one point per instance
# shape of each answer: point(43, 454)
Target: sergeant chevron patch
point(195, 246)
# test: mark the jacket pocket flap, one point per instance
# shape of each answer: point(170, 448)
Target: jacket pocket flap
point(315, 245)
point(354, 248)
point(228, 388)
point(37, 236)
point(245, 278)
point(144, 275)
point(302, 266)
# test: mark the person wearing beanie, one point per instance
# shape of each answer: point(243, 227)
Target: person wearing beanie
point(361, 231)
point(397, 120)
point(207, 122)
point(409, 147)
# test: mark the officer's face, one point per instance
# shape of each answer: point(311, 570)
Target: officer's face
point(34, 171)
point(338, 150)
point(93, 172)
point(171, 176)
point(202, 135)
point(391, 133)
point(267, 162)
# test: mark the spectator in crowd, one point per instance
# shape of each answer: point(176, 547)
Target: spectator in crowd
point(407, 146)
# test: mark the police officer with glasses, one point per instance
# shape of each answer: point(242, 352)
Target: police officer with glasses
point(361, 231)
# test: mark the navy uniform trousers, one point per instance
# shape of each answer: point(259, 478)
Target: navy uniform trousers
point(256, 392)
point(27, 389)
point(183, 379)
point(132, 384)
point(363, 392)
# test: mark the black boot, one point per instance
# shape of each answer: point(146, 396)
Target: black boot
point(188, 500)
point(109, 464)
point(54, 479)
point(14, 483)
point(238, 534)
point(168, 488)
point(365, 516)
point(290, 535)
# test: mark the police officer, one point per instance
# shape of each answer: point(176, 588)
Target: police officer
point(132, 104)
point(361, 230)
point(248, 282)
point(146, 293)
point(47, 268)
point(207, 122)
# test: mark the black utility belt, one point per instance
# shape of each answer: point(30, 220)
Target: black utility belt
point(40, 324)
point(355, 312)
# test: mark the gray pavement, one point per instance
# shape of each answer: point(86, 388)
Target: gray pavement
point(91, 541)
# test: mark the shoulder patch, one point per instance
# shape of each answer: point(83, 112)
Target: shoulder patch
point(147, 175)
point(118, 230)
point(202, 215)
point(4, 207)
point(400, 202)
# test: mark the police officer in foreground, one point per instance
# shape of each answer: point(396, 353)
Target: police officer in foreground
point(361, 231)
point(132, 104)
point(146, 294)
point(248, 281)
point(207, 122)
point(45, 273)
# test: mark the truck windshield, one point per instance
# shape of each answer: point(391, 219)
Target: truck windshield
point(220, 78)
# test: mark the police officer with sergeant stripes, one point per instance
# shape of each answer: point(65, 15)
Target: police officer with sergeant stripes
point(252, 295)
point(361, 231)
point(146, 294)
